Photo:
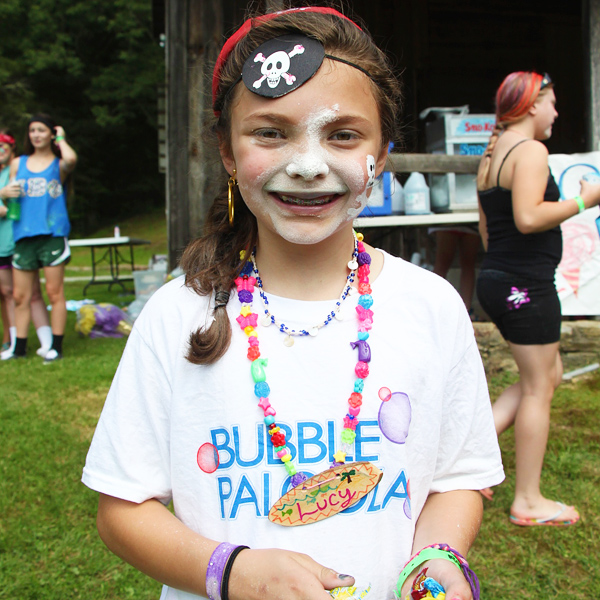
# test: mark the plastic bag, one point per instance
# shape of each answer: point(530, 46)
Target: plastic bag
point(102, 320)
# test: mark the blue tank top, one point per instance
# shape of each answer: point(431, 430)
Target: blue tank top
point(44, 206)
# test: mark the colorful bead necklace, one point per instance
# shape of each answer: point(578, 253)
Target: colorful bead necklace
point(248, 322)
point(269, 318)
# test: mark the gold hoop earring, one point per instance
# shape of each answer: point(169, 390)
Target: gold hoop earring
point(230, 197)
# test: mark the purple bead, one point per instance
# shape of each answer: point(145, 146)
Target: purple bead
point(245, 296)
point(363, 258)
point(297, 479)
point(364, 350)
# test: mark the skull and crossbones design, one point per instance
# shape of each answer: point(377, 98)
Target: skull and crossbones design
point(276, 66)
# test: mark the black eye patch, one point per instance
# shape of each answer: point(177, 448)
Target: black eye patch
point(281, 65)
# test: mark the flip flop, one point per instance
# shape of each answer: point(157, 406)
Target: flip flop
point(551, 521)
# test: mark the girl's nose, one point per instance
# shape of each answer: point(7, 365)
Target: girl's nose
point(308, 166)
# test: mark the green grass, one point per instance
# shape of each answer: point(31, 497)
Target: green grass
point(49, 548)
point(548, 562)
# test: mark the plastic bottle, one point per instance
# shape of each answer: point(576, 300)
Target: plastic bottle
point(117, 231)
point(13, 209)
point(416, 195)
point(397, 193)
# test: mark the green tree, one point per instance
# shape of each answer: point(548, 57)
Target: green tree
point(95, 67)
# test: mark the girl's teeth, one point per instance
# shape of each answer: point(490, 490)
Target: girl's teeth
point(305, 202)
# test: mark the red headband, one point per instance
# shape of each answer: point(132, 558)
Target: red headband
point(7, 139)
point(248, 25)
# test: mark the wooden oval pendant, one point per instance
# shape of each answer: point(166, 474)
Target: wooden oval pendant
point(325, 494)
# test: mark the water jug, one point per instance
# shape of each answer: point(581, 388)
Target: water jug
point(397, 194)
point(416, 195)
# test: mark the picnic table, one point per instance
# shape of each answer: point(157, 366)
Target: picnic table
point(112, 251)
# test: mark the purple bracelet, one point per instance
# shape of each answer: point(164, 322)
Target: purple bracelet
point(469, 574)
point(215, 568)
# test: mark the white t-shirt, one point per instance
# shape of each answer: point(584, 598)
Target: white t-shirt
point(161, 410)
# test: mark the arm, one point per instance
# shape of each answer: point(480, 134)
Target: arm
point(12, 190)
point(14, 166)
point(453, 518)
point(529, 179)
point(153, 540)
point(483, 232)
point(69, 157)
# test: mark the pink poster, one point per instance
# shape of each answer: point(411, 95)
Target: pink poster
point(578, 274)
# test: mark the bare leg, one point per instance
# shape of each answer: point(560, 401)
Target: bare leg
point(56, 296)
point(8, 304)
point(468, 246)
point(39, 314)
point(5, 325)
point(23, 287)
point(446, 244)
point(540, 369)
point(41, 321)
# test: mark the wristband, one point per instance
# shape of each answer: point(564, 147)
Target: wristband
point(216, 567)
point(59, 138)
point(227, 572)
point(418, 559)
point(442, 551)
point(580, 203)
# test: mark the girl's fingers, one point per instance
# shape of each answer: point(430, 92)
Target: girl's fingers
point(447, 575)
point(270, 574)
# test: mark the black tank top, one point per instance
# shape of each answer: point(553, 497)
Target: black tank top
point(534, 255)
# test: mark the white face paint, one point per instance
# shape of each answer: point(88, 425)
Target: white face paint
point(303, 159)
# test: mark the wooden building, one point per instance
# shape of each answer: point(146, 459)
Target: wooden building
point(449, 52)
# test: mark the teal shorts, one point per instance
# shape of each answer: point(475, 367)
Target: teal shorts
point(33, 253)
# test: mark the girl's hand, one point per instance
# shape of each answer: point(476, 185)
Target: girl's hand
point(12, 190)
point(59, 131)
point(590, 192)
point(447, 574)
point(277, 574)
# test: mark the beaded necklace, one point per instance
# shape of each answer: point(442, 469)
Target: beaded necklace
point(248, 322)
point(270, 319)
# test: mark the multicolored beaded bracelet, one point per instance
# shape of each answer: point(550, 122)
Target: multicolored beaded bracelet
point(248, 322)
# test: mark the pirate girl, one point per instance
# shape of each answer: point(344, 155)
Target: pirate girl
point(315, 409)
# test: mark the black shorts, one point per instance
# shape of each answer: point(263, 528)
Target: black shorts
point(6, 262)
point(526, 311)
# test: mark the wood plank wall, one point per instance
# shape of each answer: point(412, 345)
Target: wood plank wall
point(455, 53)
point(450, 53)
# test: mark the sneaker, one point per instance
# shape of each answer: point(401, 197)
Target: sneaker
point(42, 351)
point(52, 356)
point(5, 346)
point(8, 355)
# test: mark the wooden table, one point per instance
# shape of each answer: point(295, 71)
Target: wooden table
point(110, 249)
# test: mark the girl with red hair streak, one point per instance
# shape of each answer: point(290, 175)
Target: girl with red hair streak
point(519, 223)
